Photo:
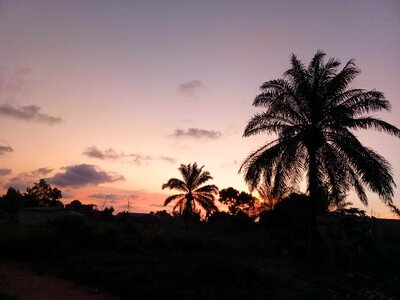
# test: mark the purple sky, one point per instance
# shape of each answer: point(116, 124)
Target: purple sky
point(125, 91)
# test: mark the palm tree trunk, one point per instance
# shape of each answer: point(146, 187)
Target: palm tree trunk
point(187, 212)
point(313, 186)
point(313, 190)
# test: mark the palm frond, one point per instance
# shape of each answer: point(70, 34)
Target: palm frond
point(172, 198)
point(207, 203)
point(266, 122)
point(211, 188)
point(373, 169)
point(372, 123)
point(202, 178)
point(175, 184)
point(394, 209)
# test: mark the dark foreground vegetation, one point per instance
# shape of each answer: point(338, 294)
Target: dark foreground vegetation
point(227, 258)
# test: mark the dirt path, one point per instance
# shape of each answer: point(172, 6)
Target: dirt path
point(20, 280)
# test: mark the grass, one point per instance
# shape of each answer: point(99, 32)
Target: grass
point(222, 261)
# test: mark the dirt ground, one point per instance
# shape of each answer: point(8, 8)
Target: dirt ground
point(20, 280)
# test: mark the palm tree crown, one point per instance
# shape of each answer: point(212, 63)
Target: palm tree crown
point(312, 112)
point(192, 191)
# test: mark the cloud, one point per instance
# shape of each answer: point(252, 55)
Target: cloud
point(42, 172)
point(135, 158)
point(66, 194)
point(191, 88)
point(197, 133)
point(26, 179)
point(111, 196)
point(15, 82)
point(19, 182)
point(5, 149)
point(5, 172)
point(104, 196)
point(27, 113)
point(94, 152)
point(139, 159)
point(83, 175)
point(168, 159)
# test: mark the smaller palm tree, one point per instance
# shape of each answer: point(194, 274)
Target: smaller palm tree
point(192, 191)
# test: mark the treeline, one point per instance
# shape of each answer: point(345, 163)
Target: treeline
point(240, 205)
point(42, 194)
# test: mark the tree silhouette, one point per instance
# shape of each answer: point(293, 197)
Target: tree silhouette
point(192, 191)
point(12, 201)
point(236, 202)
point(312, 112)
point(44, 195)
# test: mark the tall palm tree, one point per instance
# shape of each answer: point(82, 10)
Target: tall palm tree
point(191, 190)
point(312, 111)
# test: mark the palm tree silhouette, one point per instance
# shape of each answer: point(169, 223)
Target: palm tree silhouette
point(192, 191)
point(270, 195)
point(313, 112)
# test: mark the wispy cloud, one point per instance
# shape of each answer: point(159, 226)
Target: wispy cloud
point(197, 133)
point(190, 88)
point(26, 179)
point(171, 160)
point(15, 82)
point(139, 159)
point(42, 172)
point(95, 152)
point(27, 113)
point(67, 194)
point(83, 175)
point(112, 197)
point(135, 158)
point(5, 171)
point(5, 149)
point(111, 154)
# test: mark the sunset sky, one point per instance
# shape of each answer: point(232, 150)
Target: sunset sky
point(109, 97)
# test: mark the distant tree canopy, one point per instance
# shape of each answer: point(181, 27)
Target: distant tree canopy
point(44, 195)
point(12, 201)
point(162, 214)
point(41, 194)
point(312, 111)
point(236, 201)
